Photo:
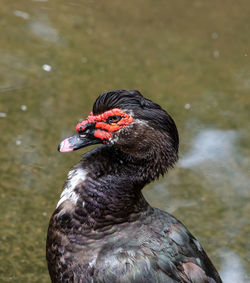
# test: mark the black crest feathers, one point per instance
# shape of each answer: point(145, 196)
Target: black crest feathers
point(124, 99)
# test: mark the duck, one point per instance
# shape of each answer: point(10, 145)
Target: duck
point(103, 230)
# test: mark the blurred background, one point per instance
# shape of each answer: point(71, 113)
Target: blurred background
point(190, 56)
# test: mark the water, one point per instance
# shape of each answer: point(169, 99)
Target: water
point(192, 57)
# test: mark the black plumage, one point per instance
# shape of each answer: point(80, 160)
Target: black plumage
point(103, 230)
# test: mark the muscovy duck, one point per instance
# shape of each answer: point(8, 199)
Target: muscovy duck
point(103, 230)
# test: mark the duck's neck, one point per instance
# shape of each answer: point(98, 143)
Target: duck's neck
point(107, 186)
point(111, 192)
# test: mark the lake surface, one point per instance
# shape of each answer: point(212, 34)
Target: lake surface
point(191, 57)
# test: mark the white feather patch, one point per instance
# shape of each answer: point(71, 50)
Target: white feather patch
point(93, 261)
point(75, 177)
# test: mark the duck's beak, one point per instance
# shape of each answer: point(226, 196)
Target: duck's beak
point(77, 141)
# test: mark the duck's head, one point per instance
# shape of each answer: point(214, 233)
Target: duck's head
point(127, 120)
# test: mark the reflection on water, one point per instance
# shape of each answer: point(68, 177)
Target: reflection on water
point(47, 67)
point(57, 56)
point(21, 14)
point(214, 153)
point(210, 144)
point(232, 268)
point(44, 30)
point(42, 27)
point(3, 115)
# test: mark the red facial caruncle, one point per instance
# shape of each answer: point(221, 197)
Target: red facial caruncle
point(106, 123)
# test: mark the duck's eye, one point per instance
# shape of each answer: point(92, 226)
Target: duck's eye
point(113, 119)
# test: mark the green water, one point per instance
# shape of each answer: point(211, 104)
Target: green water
point(192, 57)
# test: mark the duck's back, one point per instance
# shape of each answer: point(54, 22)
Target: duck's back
point(160, 249)
point(154, 248)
